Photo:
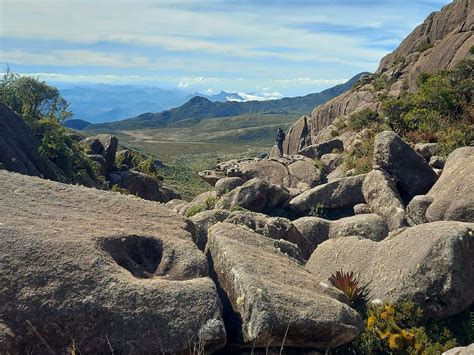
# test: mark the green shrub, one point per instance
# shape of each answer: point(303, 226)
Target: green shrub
point(209, 204)
point(318, 164)
point(365, 118)
point(381, 82)
point(361, 157)
point(116, 188)
point(471, 50)
point(238, 208)
point(318, 210)
point(424, 46)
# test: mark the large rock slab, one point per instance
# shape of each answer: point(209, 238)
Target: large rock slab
point(430, 264)
point(104, 269)
point(19, 148)
point(336, 195)
point(453, 193)
point(269, 295)
point(413, 174)
point(382, 196)
point(255, 195)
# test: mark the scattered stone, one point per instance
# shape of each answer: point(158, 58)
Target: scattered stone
point(338, 173)
point(270, 297)
point(437, 162)
point(104, 269)
point(342, 194)
point(227, 184)
point(211, 176)
point(255, 195)
point(412, 173)
point(318, 150)
point(416, 209)
point(362, 208)
point(382, 196)
point(430, 264)
point(453, 194)
point(426, 150)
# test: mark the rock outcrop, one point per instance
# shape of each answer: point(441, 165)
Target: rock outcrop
point(413, 175)
point(449, 32)
point(19, 148)
point(270, 299)
point(453, 193)
point(430, 264)
point(101, 269)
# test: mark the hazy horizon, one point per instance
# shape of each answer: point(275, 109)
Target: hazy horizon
point(269, 48)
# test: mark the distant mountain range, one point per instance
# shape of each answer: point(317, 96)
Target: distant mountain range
point(198, 108)
point(97, 103)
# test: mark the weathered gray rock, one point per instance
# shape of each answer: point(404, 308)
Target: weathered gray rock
point(303, 175)
point(368, 226)
point(145, 186)
point(336, 195)
point(129, 278)
point(338, 173)
point(416, 209)
point(437, 162)
point(426, 150)
point(462, 350)
point(270, 295)
point(255, 195)
point(227, 184)
point(104, 144)
point(203, 221)
point(453, 194)
point(277, 228)
point(19, 148)
point(362, 208)
point(412, 173)
point(331, 161)
point(318, 150)
point(430, 264)
point(382, 196)
point(178, 205)
point(317, 230)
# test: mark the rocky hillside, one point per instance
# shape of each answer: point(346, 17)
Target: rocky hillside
point(201, 108)
point(442, 41)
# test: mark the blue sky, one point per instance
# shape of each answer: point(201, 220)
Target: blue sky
point(269, 47)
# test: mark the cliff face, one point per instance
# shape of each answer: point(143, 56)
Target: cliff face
point(442, 41)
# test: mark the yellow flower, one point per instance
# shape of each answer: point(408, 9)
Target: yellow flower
point(408, 336)
point(370, 322)
point(395, 342)
point(383, 335)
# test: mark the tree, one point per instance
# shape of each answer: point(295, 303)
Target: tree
point(31, 98)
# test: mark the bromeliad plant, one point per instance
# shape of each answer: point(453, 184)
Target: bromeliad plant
point(350, 284)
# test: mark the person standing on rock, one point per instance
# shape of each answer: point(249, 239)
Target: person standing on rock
point(279, 140)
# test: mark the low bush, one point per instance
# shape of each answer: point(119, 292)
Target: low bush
point(365, 118)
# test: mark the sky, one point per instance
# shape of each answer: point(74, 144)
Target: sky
point(272, 48)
